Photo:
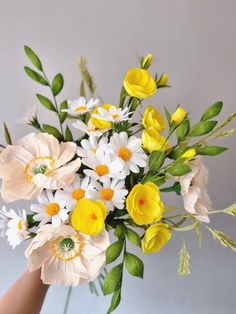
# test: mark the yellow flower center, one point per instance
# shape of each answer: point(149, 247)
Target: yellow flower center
point(94, 150)
point(20, 225)
point(141, 202)
point(80, 108)
point(42, 164)
point(102, 170)
point(124, 153)
point(52, 209)
point(115, 116)
point(107, 194)
point(78, 194)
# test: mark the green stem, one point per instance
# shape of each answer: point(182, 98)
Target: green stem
point(68, 297)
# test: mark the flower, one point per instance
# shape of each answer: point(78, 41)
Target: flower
point(103, 165)
point(89, 146)
point(4, 219)
point(163, 81)
point(179, 115)
point(147, 61)
point(156, 236)
point(139, 83)
point(152, 140)
point(30, 116)
point(80, 106)
point(51, 208)
point(153, 118)
point(101, 123)
point(112, 193)
point(189, 154)
point(89, 216)
point(79, 189)
point(66, 256)
point(194, 190)
point(88, 129)
point(37, 162)
point(129, 151)
point(144, 204)
point(112, 114)
point(17, 227)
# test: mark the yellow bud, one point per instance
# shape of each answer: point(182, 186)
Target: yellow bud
point(156, 236)
point(144, 204)
point(147, 61)
point(163, 80)
point(189, 154)
point(89, 216)
point(179, 115)
point(152, 140)
point(153, 118)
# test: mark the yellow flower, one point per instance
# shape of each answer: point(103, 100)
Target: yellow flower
point(156, 236)
point(189, 154)
point(152, 140)
point(99, 123)
point(153, 118)
point(89, 216)
point(147, 61)
point(139, 83)
point(144, 204)
point(179, 115)
point(163, 80)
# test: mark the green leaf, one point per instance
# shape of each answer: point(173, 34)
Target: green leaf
point(68, 135)
point(183, 130)
point(202, 128)
point(113, 251)
point(211, 150)
point(120, 231)
point(57, 84)
point(178, 170)
point(156, 160)
point(168, 116)
point(112, 281)
point(33, 58)
point(186, 228)
point(175, 154)
point(134, 265)
point(115, 301)
point(212, 111)
point(7, 135)
point(184, 262)
point(46, 102)
point(63, 115)
point(35, 76)
point(133, 237)
point(153, 177)
point(53, 131)
point(176, 187)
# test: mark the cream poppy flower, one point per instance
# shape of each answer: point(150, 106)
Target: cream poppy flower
point(194, 190)
point(37, 162)
point(67, 257)
point(88, 128)
point(113, 114)
point(17, 227)
point(51, 208)
point(80, 106)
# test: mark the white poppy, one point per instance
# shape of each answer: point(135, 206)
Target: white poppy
point(80, 106)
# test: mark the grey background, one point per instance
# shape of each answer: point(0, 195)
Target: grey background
point(194, 42)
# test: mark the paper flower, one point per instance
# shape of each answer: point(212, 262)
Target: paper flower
point(156, 236)
point(66, 256)
point(153, 140)
point(111, 114)
point(153, 118)
point(88, 128)
point(80, 106)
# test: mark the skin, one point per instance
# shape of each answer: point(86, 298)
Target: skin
point(25, 296)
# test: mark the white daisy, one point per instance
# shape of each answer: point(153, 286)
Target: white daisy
point(4, 219)
point(113, 114)
point(79, 106)
point(129, 150)
point(102, 166)
point(112, 193)
point(89, 146)
point(17, 227)
point(88, 128)
point(79, 189)
point(51, 208)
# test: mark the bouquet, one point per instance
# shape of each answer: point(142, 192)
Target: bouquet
point(102, 170)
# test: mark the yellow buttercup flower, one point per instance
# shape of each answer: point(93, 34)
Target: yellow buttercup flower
point(164, 80)
point(179, 115)
point(189, 154)
point(152, 140)
point(144, 204)
point(89, 216)
point(147, 61)
point(99, 123)
point(153, 118)
point(139, 83)
point(156, 236)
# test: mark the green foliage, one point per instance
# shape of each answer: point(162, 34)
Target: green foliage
point(178, 152)
point(184, 262)
point(120, 231)
point(68, 135)
point(53, 131)
point(133, 237)
point(134, 265)
point(86, 76)
point(7, 135)
point(156, 160)
point(115, 301)
point(36, 76)
point(223, 239)
point(114, 250)
point(231, 210)
point(225, 133)
point(178, 170)
point(183, 130)
point(33, 58)
point(152, 176)
point(46, 102)
point(168, 116)
point(112, 281)
point(212, 111)
point(211, 150)
point(57, 84)
point(202, 128)
point(63, 115)
point(176, 187)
